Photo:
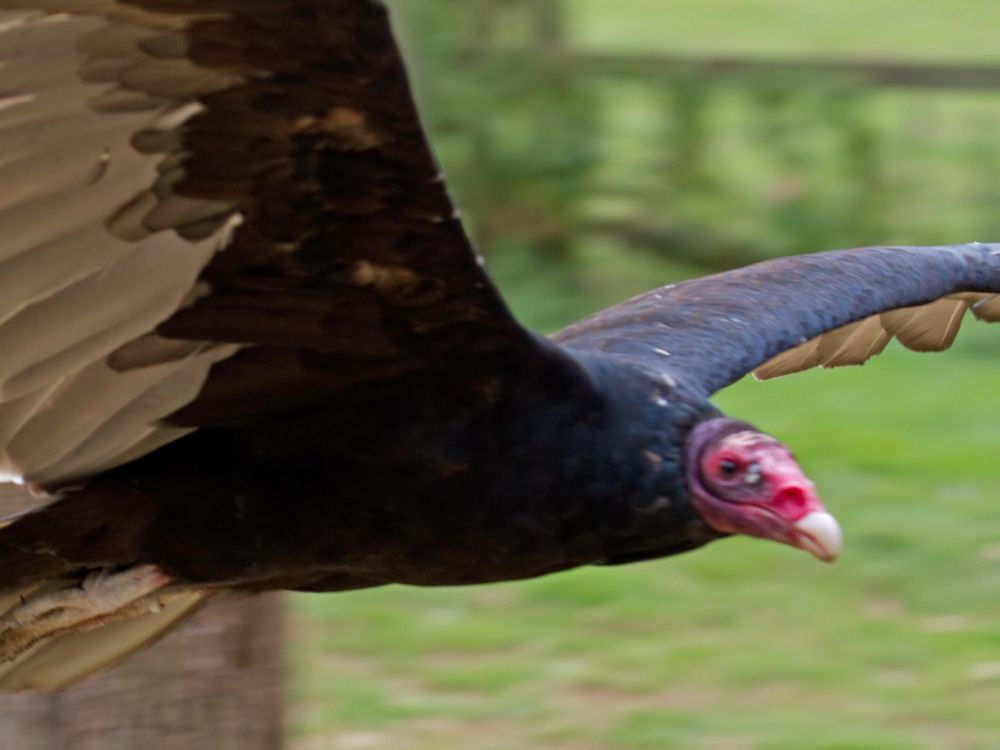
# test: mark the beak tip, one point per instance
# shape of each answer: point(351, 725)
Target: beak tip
point(819, 534)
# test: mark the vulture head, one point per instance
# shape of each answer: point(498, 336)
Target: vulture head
point(743, 481)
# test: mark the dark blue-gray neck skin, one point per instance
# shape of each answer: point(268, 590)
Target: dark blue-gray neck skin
point(648, 419)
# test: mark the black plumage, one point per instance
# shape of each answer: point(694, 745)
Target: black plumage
point(314, 384)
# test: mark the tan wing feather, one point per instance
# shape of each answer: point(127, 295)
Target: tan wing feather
point(923, 328)
point(69, 658)
point(92, 256)
point(987, 308)
point(928, 328)
point(802, 357)
point(133, 424)
point(853, 344)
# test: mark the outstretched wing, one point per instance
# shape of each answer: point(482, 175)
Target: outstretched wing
point(212, 209)
point(781, 316)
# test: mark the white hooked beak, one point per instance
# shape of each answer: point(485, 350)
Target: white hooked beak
point(819, 534)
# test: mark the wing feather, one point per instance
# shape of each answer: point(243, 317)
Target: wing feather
point(99, 415)
point(83, 270)
point(136, 140)
point(928, 328)
point(95, 316)
point(790, 314)
point(860, 342)
point(987, 308)
point(922, 328)
point(73, 656)
point(805, 356)
point(118, 430)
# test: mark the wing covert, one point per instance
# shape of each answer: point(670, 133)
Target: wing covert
point(781, 316)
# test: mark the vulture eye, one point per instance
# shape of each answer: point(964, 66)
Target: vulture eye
point(728, 468)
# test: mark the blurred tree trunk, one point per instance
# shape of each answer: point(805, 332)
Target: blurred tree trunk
point(215, 684)
point(484, 17)
point(550, 26)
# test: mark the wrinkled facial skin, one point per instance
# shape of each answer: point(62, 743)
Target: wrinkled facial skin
point(745, 482)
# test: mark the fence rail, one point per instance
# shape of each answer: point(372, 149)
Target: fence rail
point(883, 73)
point(888, 73)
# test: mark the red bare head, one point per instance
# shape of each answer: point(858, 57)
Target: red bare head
point(745, 482)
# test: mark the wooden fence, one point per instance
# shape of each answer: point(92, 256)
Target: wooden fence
point(887, 165)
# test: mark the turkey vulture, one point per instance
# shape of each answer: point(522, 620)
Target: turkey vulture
point(248, 346)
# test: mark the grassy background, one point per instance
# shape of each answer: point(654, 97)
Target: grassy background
point(743, 644)
point(960, 30)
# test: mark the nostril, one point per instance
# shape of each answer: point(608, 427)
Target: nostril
point(791, 502)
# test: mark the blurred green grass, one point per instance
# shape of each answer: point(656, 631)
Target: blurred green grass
point(744, 644)
point(962, 30)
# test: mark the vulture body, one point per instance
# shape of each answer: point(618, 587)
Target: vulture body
point(248, 346)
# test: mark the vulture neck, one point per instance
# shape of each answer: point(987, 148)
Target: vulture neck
point(647, 419)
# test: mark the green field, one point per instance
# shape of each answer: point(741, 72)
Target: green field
point(959, 30)
point(743, 644)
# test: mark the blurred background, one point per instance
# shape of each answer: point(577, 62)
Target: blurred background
point(601, 148)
